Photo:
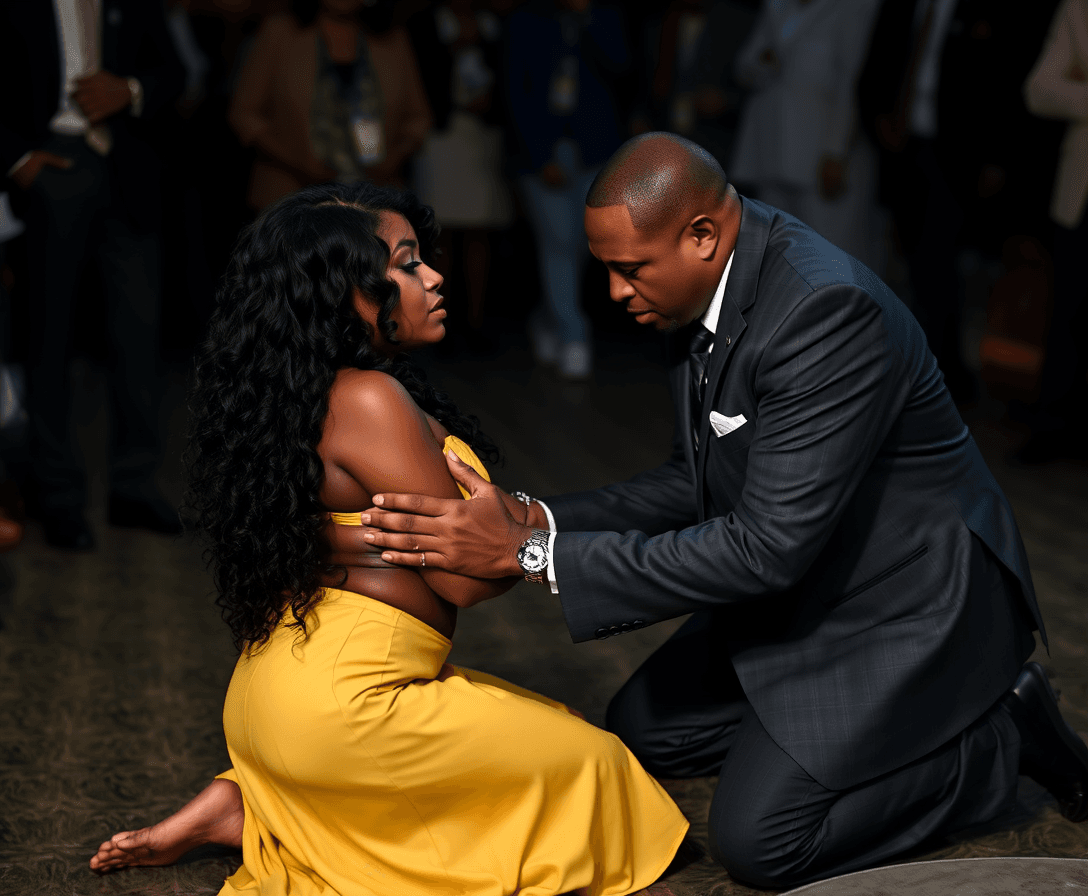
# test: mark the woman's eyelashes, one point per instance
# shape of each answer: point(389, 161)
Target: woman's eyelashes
point(410, 266)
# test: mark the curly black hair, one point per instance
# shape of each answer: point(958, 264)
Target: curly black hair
point(284, 324)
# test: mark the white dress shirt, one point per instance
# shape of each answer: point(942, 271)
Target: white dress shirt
point(76, 61)
point(708, 320)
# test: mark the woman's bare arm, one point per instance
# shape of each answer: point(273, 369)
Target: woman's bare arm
point(377, 435)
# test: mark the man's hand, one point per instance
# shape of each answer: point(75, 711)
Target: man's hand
point(477, 537)
point(101, 95)
point(25, 175)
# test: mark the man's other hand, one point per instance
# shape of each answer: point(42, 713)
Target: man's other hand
point(25, 175)
point(477, 537)
point(101, 95)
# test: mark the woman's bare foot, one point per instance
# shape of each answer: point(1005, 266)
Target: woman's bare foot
point(214, 816)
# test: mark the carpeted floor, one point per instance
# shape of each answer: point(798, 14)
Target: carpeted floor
point(113, 664)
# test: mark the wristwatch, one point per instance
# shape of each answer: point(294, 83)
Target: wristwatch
point(533, 556)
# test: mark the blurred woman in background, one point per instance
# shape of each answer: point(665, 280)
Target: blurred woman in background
point(329, 91)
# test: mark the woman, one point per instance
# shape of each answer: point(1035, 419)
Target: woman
point(362, 761)
point(329, 90)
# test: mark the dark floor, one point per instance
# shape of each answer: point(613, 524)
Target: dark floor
point(113, 665)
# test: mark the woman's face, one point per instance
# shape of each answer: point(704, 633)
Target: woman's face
point(419, 314)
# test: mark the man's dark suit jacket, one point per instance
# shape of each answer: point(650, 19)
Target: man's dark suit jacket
point(830, 534)
point(135, 43)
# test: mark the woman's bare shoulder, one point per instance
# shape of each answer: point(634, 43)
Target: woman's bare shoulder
point(370, 401)
point(369, 393)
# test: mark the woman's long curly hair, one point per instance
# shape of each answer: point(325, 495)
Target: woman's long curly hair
point(284, 324)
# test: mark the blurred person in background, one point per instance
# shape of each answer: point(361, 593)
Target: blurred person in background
point(564, 58)
point(693, 91)
point(798, 147)
point(1058, 88)
point(458, 172)
point(76, 147)
point(329, 91)
point(940, 95)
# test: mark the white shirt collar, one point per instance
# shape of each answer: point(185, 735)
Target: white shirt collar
point(710, 319)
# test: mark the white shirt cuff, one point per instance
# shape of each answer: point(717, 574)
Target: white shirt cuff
point(552, 581)
point(551, 564)
point(548, 514)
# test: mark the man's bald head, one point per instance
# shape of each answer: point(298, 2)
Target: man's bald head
point(661, 178)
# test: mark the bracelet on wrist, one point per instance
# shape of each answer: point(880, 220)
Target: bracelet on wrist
point(526, 500)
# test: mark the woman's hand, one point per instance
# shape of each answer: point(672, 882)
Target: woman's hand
point(344, 547)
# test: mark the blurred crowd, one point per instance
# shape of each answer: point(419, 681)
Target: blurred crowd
point(943, 143)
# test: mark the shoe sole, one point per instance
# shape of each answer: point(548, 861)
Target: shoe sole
point(1075, 809)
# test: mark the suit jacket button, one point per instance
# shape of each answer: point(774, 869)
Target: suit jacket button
point(613, 629)
point(626, 627)
point(638, 623)
point(601, 634)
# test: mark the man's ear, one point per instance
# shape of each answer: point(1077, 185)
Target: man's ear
point(704, 233)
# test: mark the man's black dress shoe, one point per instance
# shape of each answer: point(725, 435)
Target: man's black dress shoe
point(1050, 751)
point(67, 529)
point(151, 513)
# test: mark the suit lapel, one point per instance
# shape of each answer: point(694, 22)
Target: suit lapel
point(740, 293)
point(730, 327)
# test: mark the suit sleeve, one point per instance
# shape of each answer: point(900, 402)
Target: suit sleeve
point(828, 387)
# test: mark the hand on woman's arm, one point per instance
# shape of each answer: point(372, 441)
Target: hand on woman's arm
point(380, 438)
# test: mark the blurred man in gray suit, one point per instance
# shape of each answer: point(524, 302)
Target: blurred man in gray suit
point(862, 603)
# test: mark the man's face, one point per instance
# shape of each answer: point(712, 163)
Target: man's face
point(662, 276)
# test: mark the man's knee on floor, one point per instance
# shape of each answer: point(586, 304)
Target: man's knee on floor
point(754, 853)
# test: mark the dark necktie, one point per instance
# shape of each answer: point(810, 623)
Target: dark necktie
point(701, 340)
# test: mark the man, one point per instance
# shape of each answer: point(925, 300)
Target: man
point(862, 601)
point(83, 77)
point(940, 95)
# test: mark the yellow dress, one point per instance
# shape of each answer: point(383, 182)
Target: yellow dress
point(368, 766)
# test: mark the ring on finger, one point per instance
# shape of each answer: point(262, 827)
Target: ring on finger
point(423, 558)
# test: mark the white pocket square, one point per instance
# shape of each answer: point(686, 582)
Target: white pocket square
point(723, 425)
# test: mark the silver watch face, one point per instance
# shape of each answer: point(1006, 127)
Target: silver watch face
point(533, 557)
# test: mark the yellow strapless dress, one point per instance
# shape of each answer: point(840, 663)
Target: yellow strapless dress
point(369, 766)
